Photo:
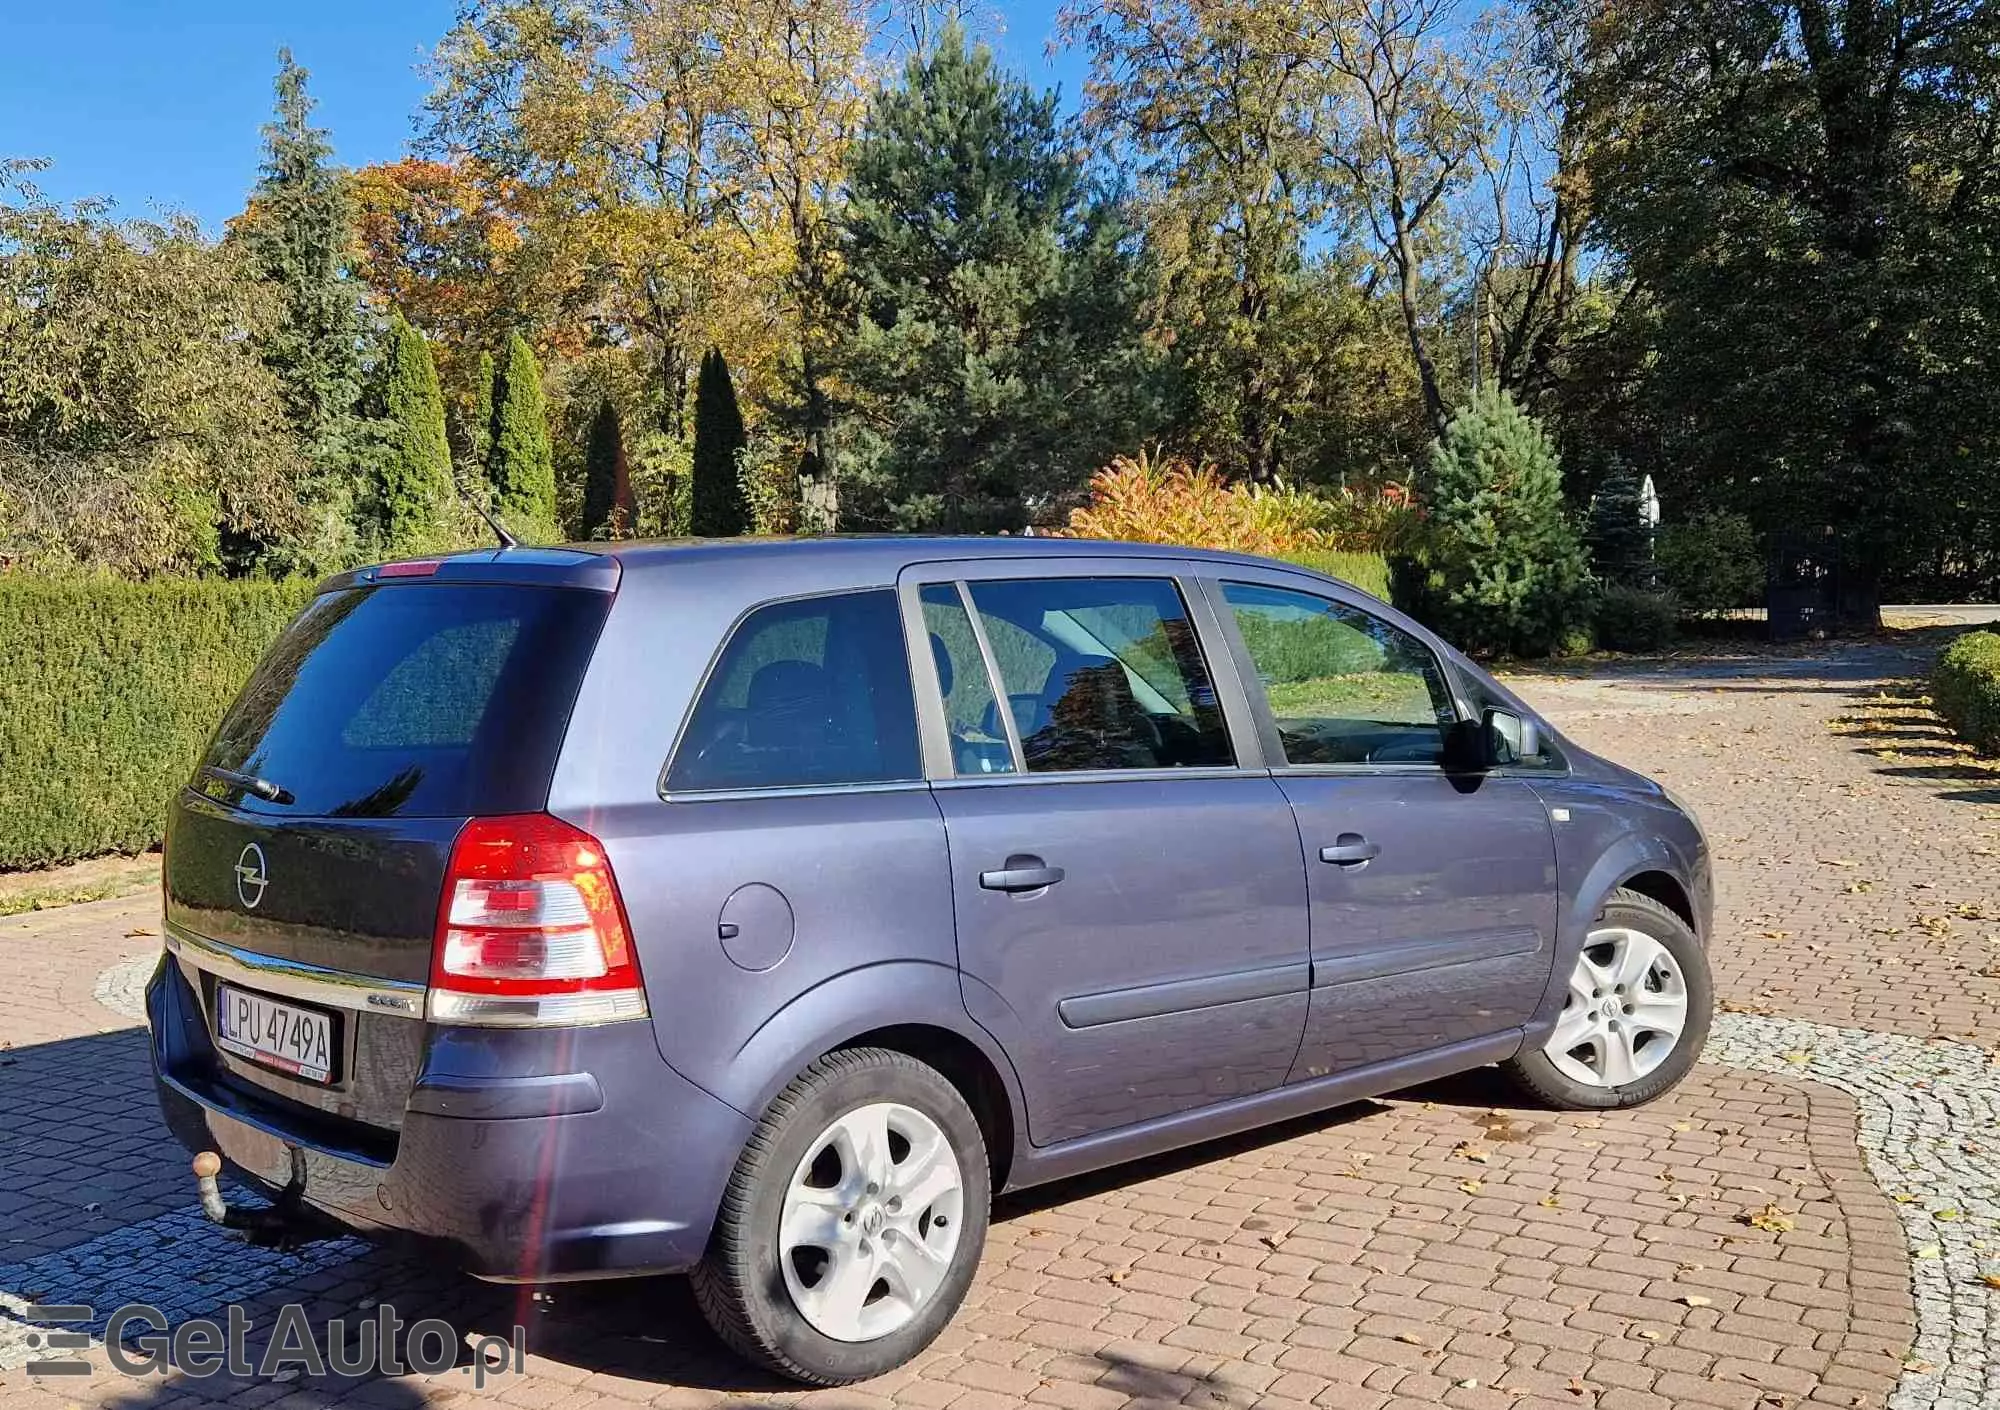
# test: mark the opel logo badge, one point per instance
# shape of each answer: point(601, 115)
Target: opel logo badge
point(251, 877)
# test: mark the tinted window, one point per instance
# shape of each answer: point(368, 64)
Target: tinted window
point(1102, 673)
point(1345, 686)
point(809, 692)
point(428, 700)
point(978, 735)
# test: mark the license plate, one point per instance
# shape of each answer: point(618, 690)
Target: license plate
point(275, 1033)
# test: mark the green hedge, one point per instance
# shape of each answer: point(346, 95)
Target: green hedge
point(108, 690)
point(1367, 571)
point(1965, 688)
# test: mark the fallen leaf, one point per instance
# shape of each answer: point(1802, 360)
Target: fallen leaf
point(1409, 1338)
point(1465, 1150)
point(1472, 1187)
point(1550, 1202)
point(1770, 1218)
point(1117, 1275)
point(1946, 1215)
point(1992, 1280)
point(1577, 1387)
point(1696, 1300)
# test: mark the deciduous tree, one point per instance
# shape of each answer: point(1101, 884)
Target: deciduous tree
point(138, 424)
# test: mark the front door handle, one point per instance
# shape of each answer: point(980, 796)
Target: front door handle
point(1352, 850)
point(1021, 874)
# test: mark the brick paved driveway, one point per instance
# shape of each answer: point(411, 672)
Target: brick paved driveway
point(1432, 1250)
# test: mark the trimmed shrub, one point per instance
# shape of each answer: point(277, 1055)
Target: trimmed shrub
point(111, 690)
point(1367, 571)
point(1711, 563)
point(1965, 689)
point(1632, 619)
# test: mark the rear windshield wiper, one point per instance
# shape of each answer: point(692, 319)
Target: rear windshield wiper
point(249, 783)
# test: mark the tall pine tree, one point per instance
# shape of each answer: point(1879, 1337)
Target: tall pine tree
point(607, 511)
point(413, 486)
point(518, 458)
point(997, 355)
point(296, 236)
point(717, 507)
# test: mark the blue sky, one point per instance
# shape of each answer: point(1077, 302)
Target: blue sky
point(159, 105)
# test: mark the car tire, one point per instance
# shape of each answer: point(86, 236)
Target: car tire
point(1632, 933)
point(788, 1308)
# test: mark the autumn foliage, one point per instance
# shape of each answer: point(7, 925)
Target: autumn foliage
point(1143, 500)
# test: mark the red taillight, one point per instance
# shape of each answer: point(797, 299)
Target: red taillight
point(410, 568)
point(531, 930)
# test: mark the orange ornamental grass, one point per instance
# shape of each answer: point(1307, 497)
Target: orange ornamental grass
point(1143, 500)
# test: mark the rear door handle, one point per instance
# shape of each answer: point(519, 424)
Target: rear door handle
point(1020, 878)
point(1352, 850)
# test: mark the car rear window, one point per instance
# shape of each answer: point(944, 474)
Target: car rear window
point(434, 700)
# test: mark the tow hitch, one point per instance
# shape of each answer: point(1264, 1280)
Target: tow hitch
point(282, 1224)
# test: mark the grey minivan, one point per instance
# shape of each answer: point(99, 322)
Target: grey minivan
point(757, 909)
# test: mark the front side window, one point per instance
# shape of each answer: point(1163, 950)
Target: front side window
point(1345, 686)
point(808, 693)
point(1102, 673)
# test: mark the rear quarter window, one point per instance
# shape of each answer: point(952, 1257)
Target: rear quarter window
point(433, 700)
point(808, 693)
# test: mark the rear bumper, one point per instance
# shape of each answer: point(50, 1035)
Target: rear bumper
point(523, 1156)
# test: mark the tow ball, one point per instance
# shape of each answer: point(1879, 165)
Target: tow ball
point(281, 1224)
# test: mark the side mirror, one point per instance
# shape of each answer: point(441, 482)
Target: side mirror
point(1509, 738)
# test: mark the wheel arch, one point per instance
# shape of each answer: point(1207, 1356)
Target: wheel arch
point(909, 1007)
point(1668, 890)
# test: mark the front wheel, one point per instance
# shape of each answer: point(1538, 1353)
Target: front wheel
point(853, 1222)
point(1635, 1013)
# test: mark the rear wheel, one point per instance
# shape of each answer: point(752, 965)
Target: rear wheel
point(853, 1223)
point(1635, 1013)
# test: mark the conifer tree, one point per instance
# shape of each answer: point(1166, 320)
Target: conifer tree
point(604, 477)
point(718, 507)
point(519, 462)
point(1507, 566)
point(997, 356)
point(296, 236)
point(413, 484)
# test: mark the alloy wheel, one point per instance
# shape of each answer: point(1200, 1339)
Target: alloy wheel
point(871, 1222)
point(1623, 1015)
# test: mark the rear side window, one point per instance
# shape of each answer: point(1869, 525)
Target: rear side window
point(434, 700)
point(1102, 673)
point(808, 693)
